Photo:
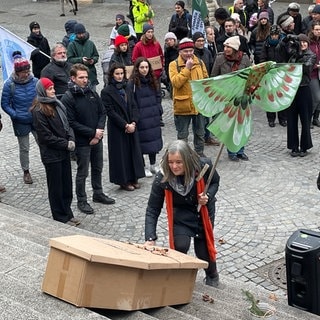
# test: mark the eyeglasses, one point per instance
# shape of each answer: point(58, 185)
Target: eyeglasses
point(199, 40)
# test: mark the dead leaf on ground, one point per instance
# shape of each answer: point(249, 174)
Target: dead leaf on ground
point(207, 298)
point(273, 297)
point(222, 241)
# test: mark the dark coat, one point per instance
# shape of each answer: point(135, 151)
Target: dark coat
point(181, 26)
point(80, 48)
point(59, 74)
point(186, 220)
point(150, 110)
point(85, 114)
point(39, 61)
point(123, 58)
point(170, 54)
point(52, 137)
point(125, 157)
point(269, 51)
point(205, 55)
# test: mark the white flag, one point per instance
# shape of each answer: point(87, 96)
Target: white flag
point(9, 43)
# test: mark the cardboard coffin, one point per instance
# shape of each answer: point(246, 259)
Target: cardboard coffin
point(101, 273)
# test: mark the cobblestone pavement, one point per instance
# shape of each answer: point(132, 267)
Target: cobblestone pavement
point(260, 202)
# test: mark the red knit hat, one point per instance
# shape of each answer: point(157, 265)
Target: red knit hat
point(46, 83)
point(186, 43)
point(21, 64)
point(120, 39)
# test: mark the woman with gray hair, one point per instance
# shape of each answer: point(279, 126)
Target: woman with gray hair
point(180, 183)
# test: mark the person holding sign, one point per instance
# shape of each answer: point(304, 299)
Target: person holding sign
point(149, 48)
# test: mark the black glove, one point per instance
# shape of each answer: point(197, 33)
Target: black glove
point(318, 181)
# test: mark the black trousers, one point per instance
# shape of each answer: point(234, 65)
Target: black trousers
point(182, 244)
point(59, 182)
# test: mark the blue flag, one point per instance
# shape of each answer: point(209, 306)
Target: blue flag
point(9, 43)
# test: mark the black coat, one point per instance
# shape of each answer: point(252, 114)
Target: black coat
point(52, 137)
point(186, 219)
point(39, 61)
point(85, 114)
point(125, 157)
point(148, 102)
point(181, 26)
point(59, 74)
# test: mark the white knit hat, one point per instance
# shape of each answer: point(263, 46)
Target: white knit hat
point(170, 35)
point(233, 42)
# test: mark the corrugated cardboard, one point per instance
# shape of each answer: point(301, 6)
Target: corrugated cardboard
point(100, 273)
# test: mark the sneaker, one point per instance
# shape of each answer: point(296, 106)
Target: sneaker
point(85, 207)
point(27, 177)
point(153, 168)
point(271, 124)
point(243, 157)
point(102, 198)
point(233, 157)
point(147, 172)
point(303, 153)
point(212, 281)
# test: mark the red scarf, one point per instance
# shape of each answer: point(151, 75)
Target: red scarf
point(236, 60)
point(208, 230)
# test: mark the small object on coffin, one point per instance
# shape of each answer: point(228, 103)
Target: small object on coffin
point(101, 273)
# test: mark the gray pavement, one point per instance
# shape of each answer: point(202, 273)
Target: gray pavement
point(260, 202)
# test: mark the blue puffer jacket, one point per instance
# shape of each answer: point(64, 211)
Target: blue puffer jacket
point(16, 101)
point(150, 110)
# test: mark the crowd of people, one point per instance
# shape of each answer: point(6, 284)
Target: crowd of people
point(58, 104)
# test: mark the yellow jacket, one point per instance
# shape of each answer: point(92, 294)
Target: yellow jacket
point(142, 14)
point(179, 77)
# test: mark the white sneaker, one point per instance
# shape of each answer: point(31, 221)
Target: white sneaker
point(153, 168)
point(147, 172)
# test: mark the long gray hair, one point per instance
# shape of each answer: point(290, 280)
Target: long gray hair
point(191, 161)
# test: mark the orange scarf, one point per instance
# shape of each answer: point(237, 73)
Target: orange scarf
point(208, 230)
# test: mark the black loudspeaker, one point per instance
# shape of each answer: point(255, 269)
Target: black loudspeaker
point(303, 270)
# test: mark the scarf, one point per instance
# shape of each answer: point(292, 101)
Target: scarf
point(236, 59)
point(120, 86)
point(74, 88)
point(60, 108)
point(208, 230)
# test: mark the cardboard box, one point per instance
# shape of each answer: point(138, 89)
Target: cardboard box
point(100, 273)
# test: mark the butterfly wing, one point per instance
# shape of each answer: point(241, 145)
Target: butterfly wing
point(278, 87)
point(211, 95)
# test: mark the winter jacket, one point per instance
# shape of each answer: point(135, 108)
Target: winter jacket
point(308, 60)
point(70, 36)
point(148, 101)
point(170, 54)
point(80, 48)
point(142, 14)
point(180, 77)
point(148, 49)
point(52, 137)
point(39, 61)
point(85, 114)
point(59, 73)
point(315, 48)
point(205, 55)
point(269, 50)
point(181, 26)
point(16, 101)
point(223, 66)
point(255, 45)
point(123, 58)
point(186, 219)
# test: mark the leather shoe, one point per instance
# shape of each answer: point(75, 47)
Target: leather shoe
point(102, 198)
point(295, 153)
point(73, 222)
point(127, 187)
point(283, 123)
point(136, 185)
point(212, 142)
point(85, 207)
point(243, 157)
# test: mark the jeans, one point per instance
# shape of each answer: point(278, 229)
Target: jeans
point(85, 155)
point(182, 126)
point(24, 146)
point(241, 151)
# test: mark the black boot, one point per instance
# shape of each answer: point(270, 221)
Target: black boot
point(212, 275)
point(315, 120)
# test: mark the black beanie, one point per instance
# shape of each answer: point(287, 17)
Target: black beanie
point(197, 35)
point(34, 24)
